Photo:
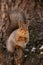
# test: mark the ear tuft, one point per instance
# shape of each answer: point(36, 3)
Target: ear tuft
point(27, 23)
point(20, 23)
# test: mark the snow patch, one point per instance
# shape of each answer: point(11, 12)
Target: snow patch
point(33, 49)
point(41, 52)
point(41, 47)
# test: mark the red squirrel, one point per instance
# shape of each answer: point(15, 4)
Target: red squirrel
point(19, 37)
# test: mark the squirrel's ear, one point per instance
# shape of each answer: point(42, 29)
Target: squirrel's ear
point(20, 23)
point(27, 23)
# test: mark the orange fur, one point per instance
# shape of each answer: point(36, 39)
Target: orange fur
point(20, 38)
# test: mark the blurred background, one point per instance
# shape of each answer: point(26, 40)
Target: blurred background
point(33, 9)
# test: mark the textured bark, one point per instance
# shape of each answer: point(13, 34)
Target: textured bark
point(33, 10)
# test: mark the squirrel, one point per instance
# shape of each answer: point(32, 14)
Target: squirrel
point(19, 37)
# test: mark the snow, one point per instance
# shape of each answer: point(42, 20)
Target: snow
point(41, 47)
point(33, 49)
point(25, 55)
point(41, 52)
